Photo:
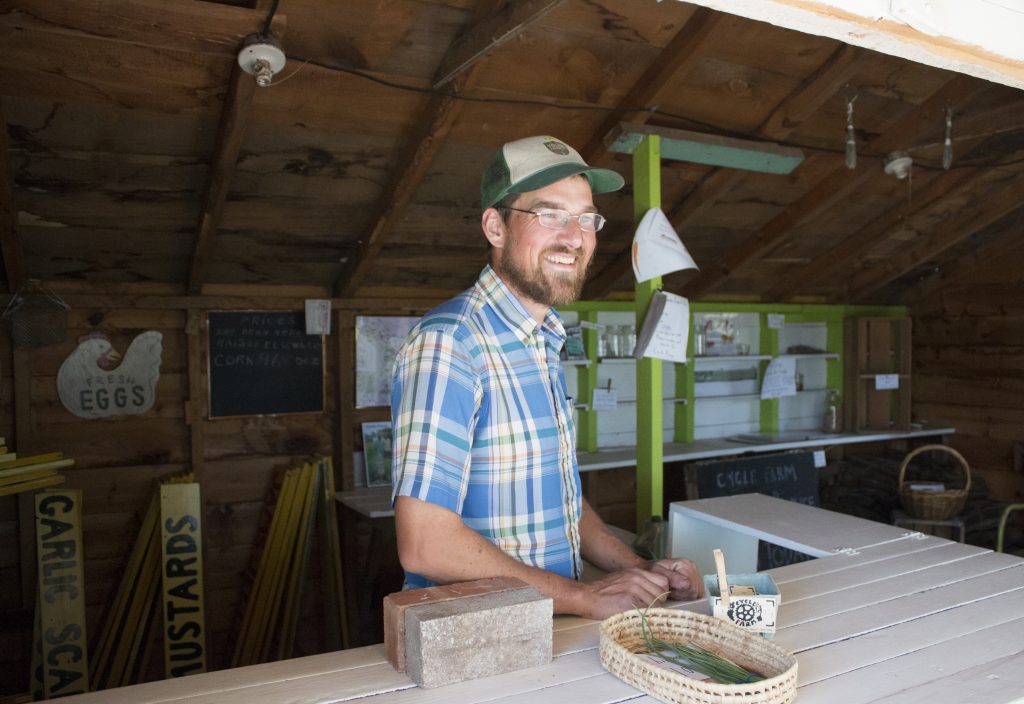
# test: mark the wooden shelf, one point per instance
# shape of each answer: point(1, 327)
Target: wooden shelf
point(877, 346)
point(733, 358)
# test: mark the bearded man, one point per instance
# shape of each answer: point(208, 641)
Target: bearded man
point(486, 482)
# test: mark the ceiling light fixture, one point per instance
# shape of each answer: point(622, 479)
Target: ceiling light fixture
point(898, 164)
point(261, 56)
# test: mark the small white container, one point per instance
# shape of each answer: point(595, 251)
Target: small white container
point(754, 613)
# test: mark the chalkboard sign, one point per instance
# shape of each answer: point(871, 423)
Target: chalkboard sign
point(788, 475)
point(264, 363)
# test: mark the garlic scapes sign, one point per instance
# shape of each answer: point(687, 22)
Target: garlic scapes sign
point(96, 382)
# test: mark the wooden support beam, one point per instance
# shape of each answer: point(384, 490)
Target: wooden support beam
point(997, 258)
point(680, 55)
point(423, 144)
point(196, 403)
point(852, 248)
point(202, 27)
point(821, 85)
point(489, 34)
point(233, 122)
point(10, 243)
point(987, 207)
point(834, 187)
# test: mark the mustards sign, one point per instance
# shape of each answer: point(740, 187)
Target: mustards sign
point(182, 573)
point(64, 657)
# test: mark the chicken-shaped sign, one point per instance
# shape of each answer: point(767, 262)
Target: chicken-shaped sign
point(91, 383)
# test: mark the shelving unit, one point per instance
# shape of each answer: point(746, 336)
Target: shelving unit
point(877, 347)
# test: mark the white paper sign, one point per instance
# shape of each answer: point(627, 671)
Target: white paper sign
point(318, 316)
point(885, 382)
point(776, 321)
point(669, 337)
point(90, 390)
point(779, 378)
point(819, 459)
point(604, 400)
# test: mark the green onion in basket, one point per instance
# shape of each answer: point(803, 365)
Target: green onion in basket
point(696, 658)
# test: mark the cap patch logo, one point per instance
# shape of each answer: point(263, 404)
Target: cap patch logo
point(557, 148)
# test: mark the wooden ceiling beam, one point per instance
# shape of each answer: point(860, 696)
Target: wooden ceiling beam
point(833, 188)
point(425, 142)
point(678, 56)
point(997, 258)
point(231, 132)
point(854, 246)
point(828, 79)
point(972, 126)
point(202, 27)
point(812, 93)
point(10, 241)
point(987, 207)
point(488, 34)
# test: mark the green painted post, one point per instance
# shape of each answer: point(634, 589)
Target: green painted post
point(769, 407)
point(586, 380)
point(649, 463)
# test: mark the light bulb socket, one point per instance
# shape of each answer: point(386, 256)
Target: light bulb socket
point(898, 164)
point(262, 57)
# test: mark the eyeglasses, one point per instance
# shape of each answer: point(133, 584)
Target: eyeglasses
point(557, 219)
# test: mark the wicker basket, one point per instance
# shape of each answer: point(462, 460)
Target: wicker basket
point(622, 639)
point(933, 505)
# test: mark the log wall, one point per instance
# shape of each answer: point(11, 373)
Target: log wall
point(118, 460)
point(968, 372)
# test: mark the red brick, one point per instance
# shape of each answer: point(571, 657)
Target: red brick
point(395, 605)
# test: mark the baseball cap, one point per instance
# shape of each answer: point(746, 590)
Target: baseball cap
point(534, 162)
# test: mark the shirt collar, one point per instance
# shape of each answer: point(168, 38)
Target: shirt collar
point(513, 312)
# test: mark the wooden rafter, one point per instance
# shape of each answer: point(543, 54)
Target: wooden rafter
point(946, 185)
point(202, 27)
point(833, 188)
point(233, 122)
point(997, 258)
point(787, 116)
point(985, 208)
point(10, 242)
point(678, 56)
point(488, 34)
point(424, 143)
point(879, 229)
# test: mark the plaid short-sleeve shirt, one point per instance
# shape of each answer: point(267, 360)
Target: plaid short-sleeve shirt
point(483, 425)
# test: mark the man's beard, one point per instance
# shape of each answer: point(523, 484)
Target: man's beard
point(550, 290)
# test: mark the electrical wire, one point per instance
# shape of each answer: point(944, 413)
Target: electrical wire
point(265, 32)
point(654, 110)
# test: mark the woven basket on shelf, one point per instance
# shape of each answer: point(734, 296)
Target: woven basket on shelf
point(933, 505)
point(622, 639)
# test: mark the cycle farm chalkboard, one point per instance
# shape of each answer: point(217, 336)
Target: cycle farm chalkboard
point(788, 475)
point(263, 363)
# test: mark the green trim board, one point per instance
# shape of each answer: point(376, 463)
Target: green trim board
point(714, 150)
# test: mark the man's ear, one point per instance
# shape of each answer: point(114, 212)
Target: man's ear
point(493, 226)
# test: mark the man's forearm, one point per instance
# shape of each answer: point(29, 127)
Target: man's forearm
point(435, 543)
point(601, 547)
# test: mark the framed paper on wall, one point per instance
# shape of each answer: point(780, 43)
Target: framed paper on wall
point(377, 341)
point(377, 453)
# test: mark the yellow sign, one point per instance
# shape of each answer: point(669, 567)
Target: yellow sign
point(65, 664)
point(182, 548)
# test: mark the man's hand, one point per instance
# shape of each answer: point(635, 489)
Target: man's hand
point(684, 583)
point(627, 589)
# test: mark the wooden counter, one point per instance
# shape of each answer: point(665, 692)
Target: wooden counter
point(887, 615)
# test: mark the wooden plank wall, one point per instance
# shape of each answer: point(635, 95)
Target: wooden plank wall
point(117, 461)
point(968, 372)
